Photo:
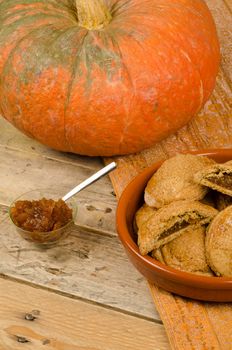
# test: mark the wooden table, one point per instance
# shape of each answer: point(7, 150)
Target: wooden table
point(83, 293)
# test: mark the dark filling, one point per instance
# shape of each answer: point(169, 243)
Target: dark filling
point(223, 181)
point(223, 201)
point(178, 226)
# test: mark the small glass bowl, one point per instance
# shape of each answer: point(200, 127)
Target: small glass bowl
point(50, 238)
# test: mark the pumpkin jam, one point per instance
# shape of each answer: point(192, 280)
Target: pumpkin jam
point(177, 227)
point(42, 215)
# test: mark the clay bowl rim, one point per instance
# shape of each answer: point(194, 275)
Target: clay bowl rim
point(169, 273)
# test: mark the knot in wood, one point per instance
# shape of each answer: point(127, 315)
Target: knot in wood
point(22, 339)
point(30, 317)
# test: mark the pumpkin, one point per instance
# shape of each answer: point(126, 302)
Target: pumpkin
point(105, 78)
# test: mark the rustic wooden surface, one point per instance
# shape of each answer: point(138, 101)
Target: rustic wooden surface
point(88, 295)
point(84, 271)
point(34, 319)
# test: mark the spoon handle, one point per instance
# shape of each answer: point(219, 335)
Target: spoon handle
point(90, 180)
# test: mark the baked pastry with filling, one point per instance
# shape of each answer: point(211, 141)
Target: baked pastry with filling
point(219, 243)
point(142, 215)
point(223, 201)
point(173, 181)
point(170, 222)
point(186, 252)
point(209, 199)
point(218, 177)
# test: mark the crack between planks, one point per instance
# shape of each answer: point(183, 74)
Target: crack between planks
point(10, 148)
point(79, 298)
point(100, 232)
point(76, 297)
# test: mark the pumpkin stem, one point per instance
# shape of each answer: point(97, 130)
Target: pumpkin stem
point(92, 14)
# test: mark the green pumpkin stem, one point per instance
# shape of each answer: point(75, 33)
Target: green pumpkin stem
point(92, 14)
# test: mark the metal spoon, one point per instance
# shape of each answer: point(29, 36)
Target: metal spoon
point(90, 180)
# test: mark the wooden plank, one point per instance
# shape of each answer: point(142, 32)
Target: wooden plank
point(21, 172)
point(65, 324)
point(13, 139)
point(85, 265)
point(25, 171)
point(194, 135)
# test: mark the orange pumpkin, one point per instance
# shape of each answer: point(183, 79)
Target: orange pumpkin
point(109, 78)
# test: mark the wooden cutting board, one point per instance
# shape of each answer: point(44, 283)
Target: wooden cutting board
point(191, 324)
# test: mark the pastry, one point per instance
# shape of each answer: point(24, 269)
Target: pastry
point(174, 180)
point(218, 177)
point(219, 243)
point(223, 201)
point(186, 252)
point(142, 215)
point(209, 199)
point(157, 254)
point(170, 222)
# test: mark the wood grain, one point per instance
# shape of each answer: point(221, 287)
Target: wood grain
point(76, 266)
point(64, 324)
point(85, 265)
point(212, 323)
point(21, 172)
point(11, 138)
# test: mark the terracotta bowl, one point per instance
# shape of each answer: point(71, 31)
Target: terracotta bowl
point(170, 279)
